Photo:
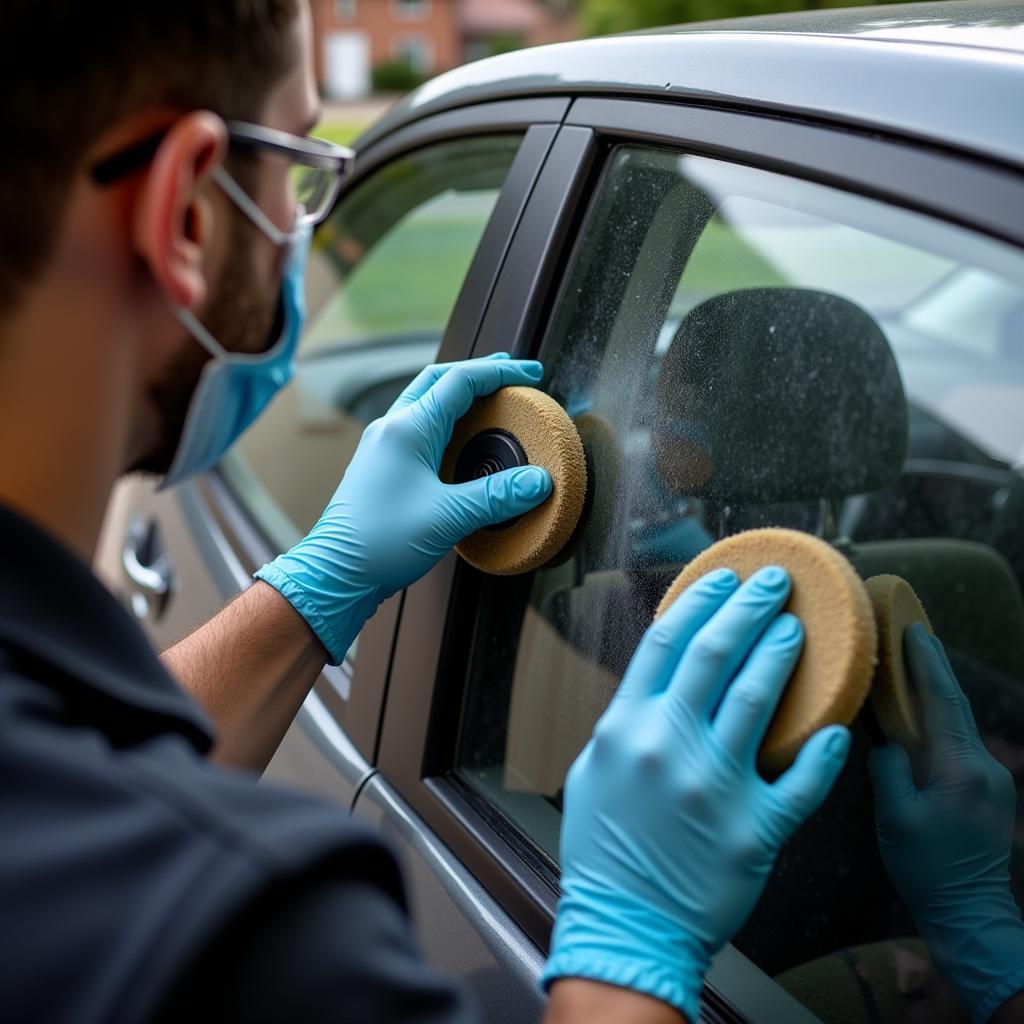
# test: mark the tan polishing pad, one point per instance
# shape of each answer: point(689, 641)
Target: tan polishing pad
point(544, 432)
point(604, 463)
point(833, 676)
point(896, 607)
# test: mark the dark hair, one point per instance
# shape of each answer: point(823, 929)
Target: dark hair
point(70, 69)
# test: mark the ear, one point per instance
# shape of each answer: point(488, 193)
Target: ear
point(172, 216)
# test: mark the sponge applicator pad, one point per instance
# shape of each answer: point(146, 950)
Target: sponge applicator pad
point(604, 465)
point(543, 432)
point(896, 607)
point(833, 676)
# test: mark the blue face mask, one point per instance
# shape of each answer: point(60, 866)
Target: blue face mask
point(235, 388)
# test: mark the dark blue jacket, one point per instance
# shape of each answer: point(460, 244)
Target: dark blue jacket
point(138, 881)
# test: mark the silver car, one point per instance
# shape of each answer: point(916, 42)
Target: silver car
point(775, 271)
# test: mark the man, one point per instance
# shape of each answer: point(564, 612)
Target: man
point(150, 303)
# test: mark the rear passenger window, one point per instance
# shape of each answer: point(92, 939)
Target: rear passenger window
point(384, 274)
point(740, 349)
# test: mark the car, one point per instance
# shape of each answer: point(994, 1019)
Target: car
point(775, 270)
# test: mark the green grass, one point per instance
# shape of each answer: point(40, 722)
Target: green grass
point(722, 261)
point(411, 278)
point(342, 133)
point(415, 279)
point(877, 273)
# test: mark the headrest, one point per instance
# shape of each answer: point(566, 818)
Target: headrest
point(778, 394)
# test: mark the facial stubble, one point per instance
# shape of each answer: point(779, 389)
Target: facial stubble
point(240, 315)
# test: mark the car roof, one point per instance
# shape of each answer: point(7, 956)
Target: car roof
point(995, 26)
point(950, 73)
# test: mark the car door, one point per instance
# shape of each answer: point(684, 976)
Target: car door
point(405, 261)
point(753, 322)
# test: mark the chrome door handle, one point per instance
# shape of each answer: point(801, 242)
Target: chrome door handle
point(148, 568)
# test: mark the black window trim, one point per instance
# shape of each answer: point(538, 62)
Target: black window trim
point(429, 667)
point(912, 175)
point(415, 710)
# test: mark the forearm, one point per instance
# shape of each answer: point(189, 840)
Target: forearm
point(250, 667)
point(579, 1001)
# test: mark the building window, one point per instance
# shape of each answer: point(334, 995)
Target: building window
point(344, 10)
point(410, 10)
point(416, 51)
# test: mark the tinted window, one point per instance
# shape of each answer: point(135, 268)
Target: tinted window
point(384, 274)
point(739, 350)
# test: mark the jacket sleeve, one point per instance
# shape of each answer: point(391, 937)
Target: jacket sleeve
point(331, 951)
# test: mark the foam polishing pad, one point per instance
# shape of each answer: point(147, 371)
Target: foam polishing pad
point(833, 676)
point(604, 457)
point(519, 426)
point(604, 471)
point(896, 607)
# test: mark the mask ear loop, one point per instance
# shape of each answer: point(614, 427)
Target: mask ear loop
point(263, 223)
point(242, 200)
point(191, 323)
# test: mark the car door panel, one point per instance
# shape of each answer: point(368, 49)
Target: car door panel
point(205, 571)
point(197, 585)
point(463, 929)
point(318, 757)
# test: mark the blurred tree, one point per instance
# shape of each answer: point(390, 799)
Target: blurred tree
point(598, 17)
point(505, 42)
point(394, 76)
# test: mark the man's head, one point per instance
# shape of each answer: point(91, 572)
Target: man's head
point(102, 265)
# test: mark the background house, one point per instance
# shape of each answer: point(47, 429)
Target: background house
point(354, 37)
point(494, 26)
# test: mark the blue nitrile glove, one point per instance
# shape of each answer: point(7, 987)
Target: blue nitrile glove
point(946, 847)
point(669, 831)
point(391, 518)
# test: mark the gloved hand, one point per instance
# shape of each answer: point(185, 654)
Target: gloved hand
point(669, 832)
point(391, 518)
point(946, 846)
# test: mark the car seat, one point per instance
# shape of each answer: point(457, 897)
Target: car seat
point(773, 395)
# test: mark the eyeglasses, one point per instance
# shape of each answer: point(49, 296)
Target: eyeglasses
point(317, 167)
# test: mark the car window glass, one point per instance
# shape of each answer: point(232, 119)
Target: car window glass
point(385, 271)
point(740, 349)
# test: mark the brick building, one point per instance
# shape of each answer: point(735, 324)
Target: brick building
point(354, 36)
